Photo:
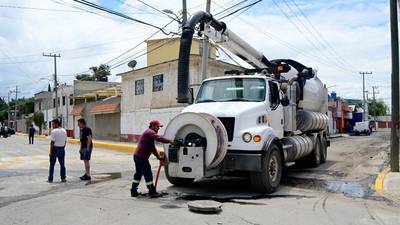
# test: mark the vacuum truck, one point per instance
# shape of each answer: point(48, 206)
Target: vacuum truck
point(250, 122)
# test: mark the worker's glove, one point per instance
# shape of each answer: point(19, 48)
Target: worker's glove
point(174, 142)
point(161, 156)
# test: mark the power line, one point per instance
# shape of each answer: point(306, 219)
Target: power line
point(164, 13)
point(61, 2)
point(288, 45)
point(73, 49)
point(134, 47)
point(90, 4)
point(229, 8)
point(38, 9)
point(301, 33)
point(314, 33)
point(135, 56)
point(244, 7)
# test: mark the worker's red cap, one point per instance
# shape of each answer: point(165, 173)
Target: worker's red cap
point(155, 123)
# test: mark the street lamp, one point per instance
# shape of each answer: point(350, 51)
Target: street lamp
point(168, 11)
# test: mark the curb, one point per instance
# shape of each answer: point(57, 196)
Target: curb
point(380, 179)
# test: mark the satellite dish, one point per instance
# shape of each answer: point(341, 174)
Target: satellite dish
point(132, 64)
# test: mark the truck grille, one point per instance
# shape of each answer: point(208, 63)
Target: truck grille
point(229, 124)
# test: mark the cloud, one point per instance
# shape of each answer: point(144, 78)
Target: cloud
point(357, 30)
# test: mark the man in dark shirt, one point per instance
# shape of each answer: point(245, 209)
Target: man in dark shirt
point(31, 134)
point(141, 157)
point(86, 147)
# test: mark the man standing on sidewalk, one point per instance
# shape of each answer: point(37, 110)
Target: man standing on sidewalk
point(86, 147)
point(31, 134)
point(141, 158)
point(57, 150)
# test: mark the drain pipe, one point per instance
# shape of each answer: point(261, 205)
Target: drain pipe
point(184, 50)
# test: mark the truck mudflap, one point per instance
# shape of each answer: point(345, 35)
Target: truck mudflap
point(239, 160)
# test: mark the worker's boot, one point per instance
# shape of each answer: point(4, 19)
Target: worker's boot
point(152, 191)
point(134, 193)
point(155, 194)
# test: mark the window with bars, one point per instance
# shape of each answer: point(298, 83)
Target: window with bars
point(139, 87)
point(158, 81)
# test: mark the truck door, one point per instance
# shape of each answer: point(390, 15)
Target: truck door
point(274, 108)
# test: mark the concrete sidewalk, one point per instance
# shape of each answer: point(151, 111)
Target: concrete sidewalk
point(388, 184)
point(391, 185)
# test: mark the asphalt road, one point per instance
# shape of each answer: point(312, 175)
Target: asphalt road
point(338, 192)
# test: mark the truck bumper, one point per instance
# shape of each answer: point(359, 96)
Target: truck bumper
point(242, 161)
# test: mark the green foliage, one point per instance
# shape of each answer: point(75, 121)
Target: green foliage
point(3, 116)
point(377, 108)
point(84, 77)
point(38, 119)
point(98, 73)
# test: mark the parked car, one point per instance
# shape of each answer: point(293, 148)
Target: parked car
point(6, 131)
point(362, 128)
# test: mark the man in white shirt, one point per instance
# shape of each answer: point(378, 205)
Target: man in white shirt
point(57, 146)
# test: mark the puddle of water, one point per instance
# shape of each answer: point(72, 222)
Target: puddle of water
point(234, 199)
point(170, 206)
point(353, 189)
point(101, 177)
point(348, 188)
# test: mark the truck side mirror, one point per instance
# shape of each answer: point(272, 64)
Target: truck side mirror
point(285, 101)
point(191, 98)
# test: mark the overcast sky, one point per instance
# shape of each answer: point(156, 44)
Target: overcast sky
point(338, 37)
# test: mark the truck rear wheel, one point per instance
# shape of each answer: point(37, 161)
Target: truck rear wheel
point(324, 150)
point(177, 181)
point(268, 179)
point(314, 159)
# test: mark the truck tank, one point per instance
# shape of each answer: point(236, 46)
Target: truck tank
point(315, 95)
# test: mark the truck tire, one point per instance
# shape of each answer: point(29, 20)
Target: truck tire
point(177, 181)
point(268, 180)
point(314, 159)
point(324, 150)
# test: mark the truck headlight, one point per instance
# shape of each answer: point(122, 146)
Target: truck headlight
point(247, 137)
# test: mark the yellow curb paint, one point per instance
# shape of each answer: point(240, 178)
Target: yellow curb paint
point(380, 179)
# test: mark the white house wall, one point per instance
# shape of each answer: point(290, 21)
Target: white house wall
point(137, 122)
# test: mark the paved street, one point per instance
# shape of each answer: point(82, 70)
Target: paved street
point(338, 192)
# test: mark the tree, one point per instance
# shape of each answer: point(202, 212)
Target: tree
point(3, 116)
point(84, 77)
point(377, 108)
point(38, 119)
point(98, 73)
point(3, 110)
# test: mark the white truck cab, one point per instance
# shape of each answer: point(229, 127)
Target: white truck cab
point(249, 124)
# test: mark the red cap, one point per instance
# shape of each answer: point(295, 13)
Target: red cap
point(155, 123)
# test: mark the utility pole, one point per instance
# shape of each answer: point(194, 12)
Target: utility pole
point(8, 109)
point(374, 100)
point(364, 108)
point(204, 61)
point(55, 56)
point(394, 145)
point(16, 108)
point(374, 92)
point(184, 12)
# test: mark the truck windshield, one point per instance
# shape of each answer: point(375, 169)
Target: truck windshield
point(232, 89)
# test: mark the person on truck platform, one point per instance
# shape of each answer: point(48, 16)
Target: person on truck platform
point(141, 158)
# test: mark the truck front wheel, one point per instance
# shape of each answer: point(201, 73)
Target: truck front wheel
point(177, 181)
point(267, 181)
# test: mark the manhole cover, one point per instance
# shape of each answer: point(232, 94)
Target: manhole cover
point(205, 206)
